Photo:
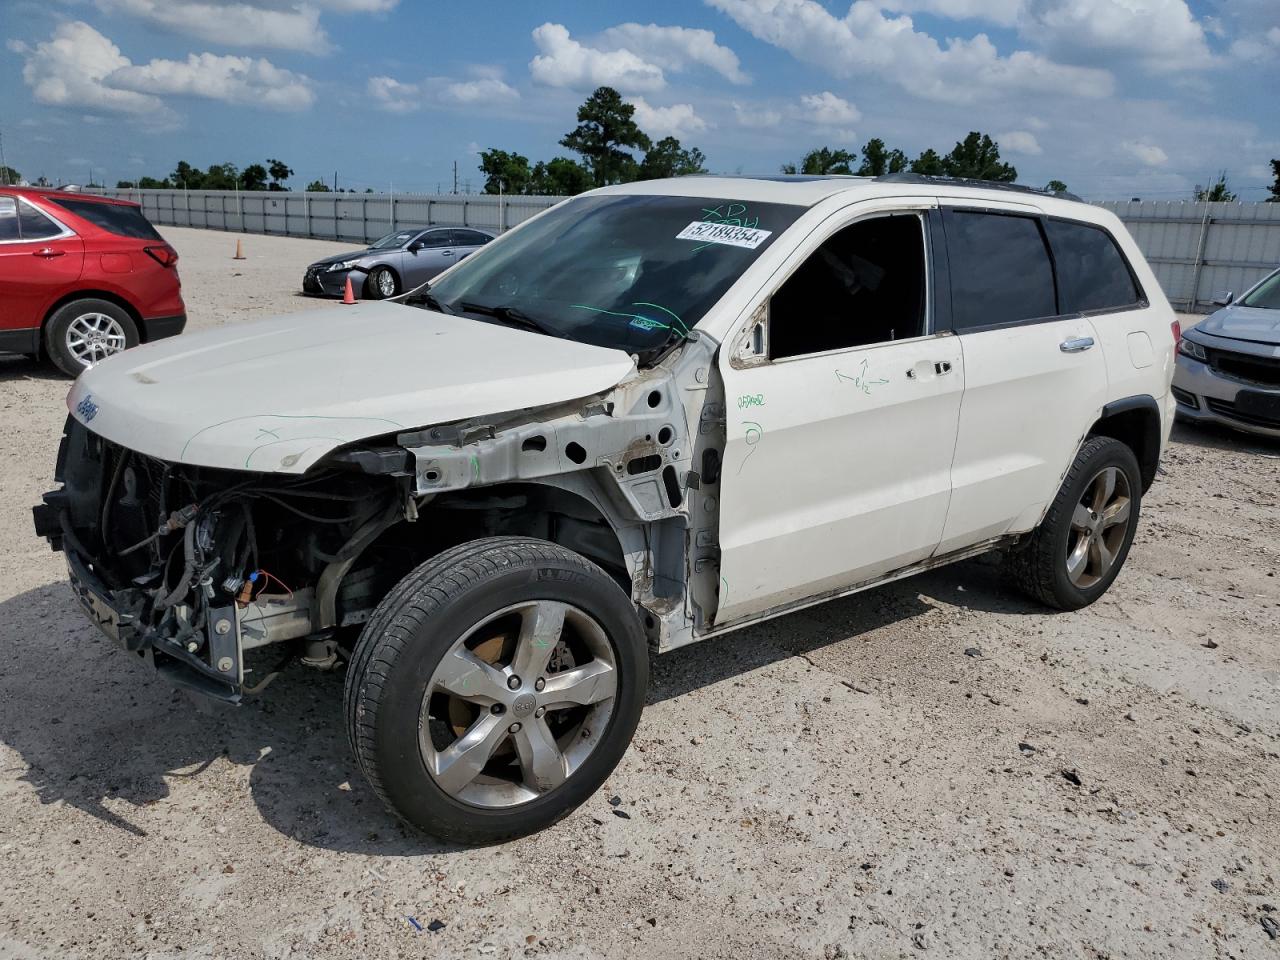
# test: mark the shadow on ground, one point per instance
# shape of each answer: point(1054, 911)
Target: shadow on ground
point(15, 366)
point(99, 733)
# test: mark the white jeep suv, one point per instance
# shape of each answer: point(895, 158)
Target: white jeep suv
point(651, 415)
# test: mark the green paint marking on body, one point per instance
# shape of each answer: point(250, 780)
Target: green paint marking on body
point(860, 379)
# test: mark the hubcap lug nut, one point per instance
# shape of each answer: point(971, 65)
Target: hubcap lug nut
point(497, 708)
point(539, 684)
point(513, 683)
point(514, 728)
point(539, 712)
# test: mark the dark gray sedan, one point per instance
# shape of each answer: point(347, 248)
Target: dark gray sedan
point(1228, 368)
point(399, 261)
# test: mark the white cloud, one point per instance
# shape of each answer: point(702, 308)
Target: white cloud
point(1003, 12)
point(674, 48)
point(756, 116)
point(213, 77)
point(1261, 47)
point(480, 90)
point(1163, 34)
point(677, 120)
point(393, 96)
point(1019, 141)
point(564, 62)
point(70, 69)
point(866, 42)
point(1145, 152)
point(827, 110)
point(237, 24)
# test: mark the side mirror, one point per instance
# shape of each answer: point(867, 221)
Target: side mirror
point(416, 246)
point(1223, 298)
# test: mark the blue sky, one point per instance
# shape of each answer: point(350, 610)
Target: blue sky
point(1118, 98)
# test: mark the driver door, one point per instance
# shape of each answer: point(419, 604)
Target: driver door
point(842, 407)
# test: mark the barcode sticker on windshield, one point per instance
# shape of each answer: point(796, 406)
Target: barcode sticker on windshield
point(727, 233)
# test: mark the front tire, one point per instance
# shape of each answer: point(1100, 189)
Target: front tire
point(1078, 549)
point(83, 332)
point(381, 283)
point(495, 688)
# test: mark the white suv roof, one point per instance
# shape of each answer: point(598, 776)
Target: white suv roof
point(805, 191)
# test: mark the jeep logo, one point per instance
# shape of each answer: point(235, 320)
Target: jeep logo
point(87, 408)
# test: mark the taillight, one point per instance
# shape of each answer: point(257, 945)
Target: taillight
point(1176, 329)
point(166, 256)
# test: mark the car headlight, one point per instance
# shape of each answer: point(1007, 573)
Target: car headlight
point(1193, 350)
point(341, 265)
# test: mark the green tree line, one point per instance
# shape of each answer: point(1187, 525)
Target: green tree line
point(613, 149)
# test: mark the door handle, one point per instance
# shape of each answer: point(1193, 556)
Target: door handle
point(48, 253)
point(942, 367)
point(446, 253)
point(1076, 344)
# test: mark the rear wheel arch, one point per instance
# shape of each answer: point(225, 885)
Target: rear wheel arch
point(92, 294)
point(1135, 422)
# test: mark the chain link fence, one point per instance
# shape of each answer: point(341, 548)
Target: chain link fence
point(1195, 249)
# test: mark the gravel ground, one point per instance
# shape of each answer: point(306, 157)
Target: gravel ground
point(844, 782)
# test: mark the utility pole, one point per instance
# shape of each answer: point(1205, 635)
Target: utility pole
point(335, 181)
point(4, 169)
point(455, 176)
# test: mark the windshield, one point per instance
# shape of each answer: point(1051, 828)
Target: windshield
point(631, 272)
point(393, 240)
point(1267, 294)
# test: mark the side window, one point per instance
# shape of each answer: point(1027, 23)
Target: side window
point(1092, 272)
point(436, 238)
point(864, 285)
point(34, 224)
point(470, 238)
point(1000, 270)
point(8, 220)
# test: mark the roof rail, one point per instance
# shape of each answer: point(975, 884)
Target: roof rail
point(970, 182)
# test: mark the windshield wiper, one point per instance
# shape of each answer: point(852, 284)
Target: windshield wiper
point(511, 315)
point(423, 294)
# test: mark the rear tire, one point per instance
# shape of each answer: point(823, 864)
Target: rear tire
point(381, 283)
point(474, 716)
point(1078, 549)
point(83, 332)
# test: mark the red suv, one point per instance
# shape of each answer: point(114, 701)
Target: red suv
point(82, 277)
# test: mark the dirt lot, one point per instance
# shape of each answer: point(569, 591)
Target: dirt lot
point(845, 782)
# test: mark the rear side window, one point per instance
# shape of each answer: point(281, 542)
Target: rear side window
point(122, 220)
point(1000, 270)
point(34, 225)
point(1092, 272)
point(470, 238)
point(8, 220)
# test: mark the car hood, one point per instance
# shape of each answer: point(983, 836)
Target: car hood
point(1256, 324)
point(278, 395)
point(352, 255)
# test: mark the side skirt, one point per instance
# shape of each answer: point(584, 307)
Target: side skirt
point(986, 546)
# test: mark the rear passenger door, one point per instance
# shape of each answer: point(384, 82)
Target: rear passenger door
point(39, 260)
point(469, 241)
point(1035, 375)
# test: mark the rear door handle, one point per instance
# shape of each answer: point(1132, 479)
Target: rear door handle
point(446, 253)
point(1076, 344)
point(942, 367)
point(48, 253)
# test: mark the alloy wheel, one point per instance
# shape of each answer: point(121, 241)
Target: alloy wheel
point(517, 704)
point(386, 283)
point(1099, 524)
point(92, 337)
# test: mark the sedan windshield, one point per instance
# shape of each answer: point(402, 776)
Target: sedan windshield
point(393, 240)
point(632, 272)
point(1267, 295)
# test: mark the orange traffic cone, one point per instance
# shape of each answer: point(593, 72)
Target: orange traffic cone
point(239, 252)
point(348, 295)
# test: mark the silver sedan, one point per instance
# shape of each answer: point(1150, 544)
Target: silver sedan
point(1228, 368)
point(399, 261)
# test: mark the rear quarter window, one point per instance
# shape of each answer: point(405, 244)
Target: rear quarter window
point(122, 220)
point(1093, 274)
